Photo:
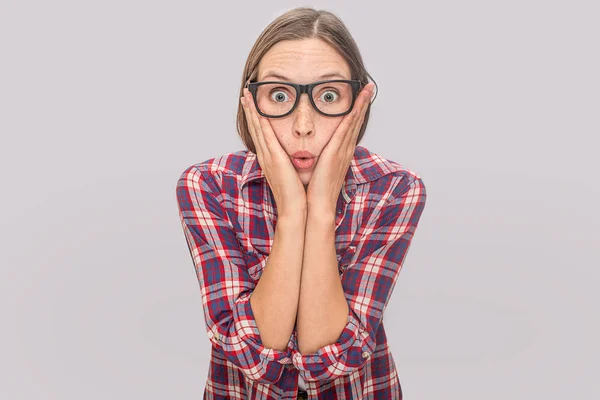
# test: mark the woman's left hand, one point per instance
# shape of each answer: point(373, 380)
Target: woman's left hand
point(330, 172)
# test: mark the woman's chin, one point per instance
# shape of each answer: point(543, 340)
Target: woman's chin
point(304, 177)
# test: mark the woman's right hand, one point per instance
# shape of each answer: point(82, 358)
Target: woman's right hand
point(281, 175)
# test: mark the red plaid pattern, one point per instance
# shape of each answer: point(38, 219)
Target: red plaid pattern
point(229, 215)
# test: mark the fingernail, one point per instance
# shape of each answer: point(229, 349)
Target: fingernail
point(243, 101)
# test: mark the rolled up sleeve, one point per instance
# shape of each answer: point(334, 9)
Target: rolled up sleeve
point(225, 284)
point(368, 282)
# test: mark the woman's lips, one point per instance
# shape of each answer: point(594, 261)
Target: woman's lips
point(303, 163)
point(303, 154)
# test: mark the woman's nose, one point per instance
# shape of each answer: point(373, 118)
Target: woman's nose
point(303, 123)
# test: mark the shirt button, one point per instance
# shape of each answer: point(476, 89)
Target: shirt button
point(339, 211)
point(365, 355)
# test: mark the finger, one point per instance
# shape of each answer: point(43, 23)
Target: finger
point(254, 116)
point(267, 135)
point(345, 128)
point(257, 137)
point(250, 125)
point(363, 102)
point(337, 139)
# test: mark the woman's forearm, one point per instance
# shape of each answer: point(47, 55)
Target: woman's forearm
point(275, 298)
point(323, 308)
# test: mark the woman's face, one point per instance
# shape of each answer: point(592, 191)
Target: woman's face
point(303, 61)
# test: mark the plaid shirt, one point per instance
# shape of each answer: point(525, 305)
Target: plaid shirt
point(229, 214)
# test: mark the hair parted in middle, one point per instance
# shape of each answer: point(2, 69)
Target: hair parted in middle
point(296, 24)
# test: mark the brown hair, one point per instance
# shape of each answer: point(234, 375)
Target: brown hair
point(296, 24)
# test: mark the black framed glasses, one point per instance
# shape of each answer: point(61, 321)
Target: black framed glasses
point(333, 98)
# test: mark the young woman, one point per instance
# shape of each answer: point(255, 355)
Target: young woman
point(298, 240)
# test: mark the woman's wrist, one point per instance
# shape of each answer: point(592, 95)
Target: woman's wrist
point(293, 218)
point(321, 213)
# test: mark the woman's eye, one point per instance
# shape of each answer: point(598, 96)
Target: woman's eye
point(279, 96)
point(329, 96)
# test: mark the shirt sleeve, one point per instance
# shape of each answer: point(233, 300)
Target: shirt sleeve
point(225, 283)
point(368, 283)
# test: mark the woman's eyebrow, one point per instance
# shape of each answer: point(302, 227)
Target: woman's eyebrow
point(322, 77)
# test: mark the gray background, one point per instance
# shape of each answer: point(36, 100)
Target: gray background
point(103, 104)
